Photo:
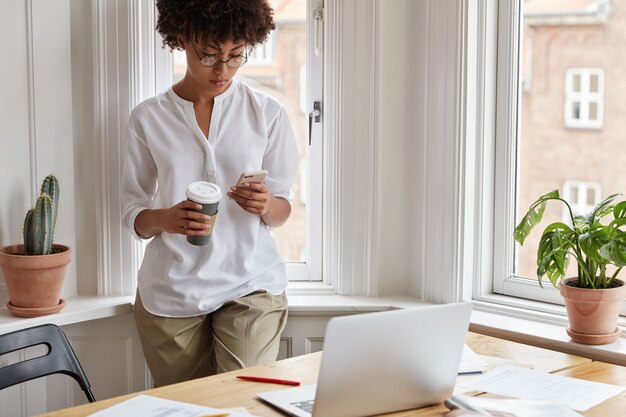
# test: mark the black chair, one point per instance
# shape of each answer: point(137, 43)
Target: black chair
point(60, 358)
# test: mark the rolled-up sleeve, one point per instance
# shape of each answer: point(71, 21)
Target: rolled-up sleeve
point(281, 157)
point(139, 180)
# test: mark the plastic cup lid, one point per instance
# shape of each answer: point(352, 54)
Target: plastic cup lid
point(204, 192)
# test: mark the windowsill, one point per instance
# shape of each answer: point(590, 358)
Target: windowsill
point(491, 316)
point(77, 309)
point(545, 327)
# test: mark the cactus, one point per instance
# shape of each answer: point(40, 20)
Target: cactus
point(50, 186)
point(41, 219)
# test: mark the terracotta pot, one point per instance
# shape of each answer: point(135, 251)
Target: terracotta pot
point(35, 281)
point(593, 313)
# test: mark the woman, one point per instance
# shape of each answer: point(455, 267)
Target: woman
point(202, 310)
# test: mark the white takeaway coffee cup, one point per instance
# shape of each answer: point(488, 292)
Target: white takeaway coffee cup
point(208, 194)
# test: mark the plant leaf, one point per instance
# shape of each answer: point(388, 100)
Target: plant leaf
point(553, 252)
point(619, 211)
point(533, 216)
point(591, 242)
point(615, 250)
point(603, 208)
point(616, 224)
point(583, 222)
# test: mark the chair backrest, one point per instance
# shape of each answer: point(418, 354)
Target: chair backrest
point(60, 357)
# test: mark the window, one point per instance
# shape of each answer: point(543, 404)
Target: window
point(582, 197)
point(584, 90)
point(335, 209)
point(535, 153)
point(263, 54)
point(292, 76)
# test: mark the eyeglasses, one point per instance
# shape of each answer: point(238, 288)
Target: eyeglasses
point(212, 60)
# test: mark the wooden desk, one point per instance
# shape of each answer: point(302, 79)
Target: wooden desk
point(224, 391)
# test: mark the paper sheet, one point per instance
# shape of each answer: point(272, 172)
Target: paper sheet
point(471, 362)
point(516, 382)
point(522, 408)
point(148, 406)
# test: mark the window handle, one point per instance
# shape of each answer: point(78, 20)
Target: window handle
point(318, 15)
point(314, 116)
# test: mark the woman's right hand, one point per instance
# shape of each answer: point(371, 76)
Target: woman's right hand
point(181, 218)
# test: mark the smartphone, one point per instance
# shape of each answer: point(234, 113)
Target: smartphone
point(252, 176)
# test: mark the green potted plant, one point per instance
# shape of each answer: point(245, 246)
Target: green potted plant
point(594, 297)
point(34, 271)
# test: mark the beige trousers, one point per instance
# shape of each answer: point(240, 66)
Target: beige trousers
point(243, 332)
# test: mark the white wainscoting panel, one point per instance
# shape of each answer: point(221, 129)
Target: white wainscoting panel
point(285, 349)
point(111, 355)
point(304, 332)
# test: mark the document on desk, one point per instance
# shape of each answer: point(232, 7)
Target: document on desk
point(520, 408)
point(471, 363)
point(516, 382)
point(149, 406)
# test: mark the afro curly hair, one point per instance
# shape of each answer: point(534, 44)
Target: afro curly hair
point(214, 21)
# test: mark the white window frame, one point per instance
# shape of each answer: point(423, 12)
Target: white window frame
point(584, 97)
point(508, 100)
point(518, 291)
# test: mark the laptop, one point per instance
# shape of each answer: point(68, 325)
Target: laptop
point(382, 362)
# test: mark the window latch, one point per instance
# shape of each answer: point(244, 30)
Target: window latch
point(314, 116)
point(318, 15)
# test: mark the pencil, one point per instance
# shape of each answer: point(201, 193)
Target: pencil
point(269, 380)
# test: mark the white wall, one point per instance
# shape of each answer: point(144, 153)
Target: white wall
point(402, 64)
point(36, 119)
point(419, 147)
point(85, 143)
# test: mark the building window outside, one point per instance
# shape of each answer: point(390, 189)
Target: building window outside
point(584, 90)
point(264, 54)
point(581, 196)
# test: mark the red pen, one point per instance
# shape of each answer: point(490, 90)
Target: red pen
point(270, 380)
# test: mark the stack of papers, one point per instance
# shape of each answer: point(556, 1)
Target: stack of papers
point(148, 406)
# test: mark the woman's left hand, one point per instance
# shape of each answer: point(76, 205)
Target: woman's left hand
point(253, 197)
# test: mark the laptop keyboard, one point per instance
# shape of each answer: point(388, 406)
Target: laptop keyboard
point(304, 405)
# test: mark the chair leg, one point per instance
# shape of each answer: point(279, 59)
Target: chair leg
point(90, 396)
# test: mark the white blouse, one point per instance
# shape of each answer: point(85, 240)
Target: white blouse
point(166, 150)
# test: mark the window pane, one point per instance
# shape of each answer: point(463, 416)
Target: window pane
point(593, 84)
point(573, 195)
point(275, 68)
point(593, 110)
point(591, 197)
point(551, 153)
point(576, 83)
point(576, 110)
